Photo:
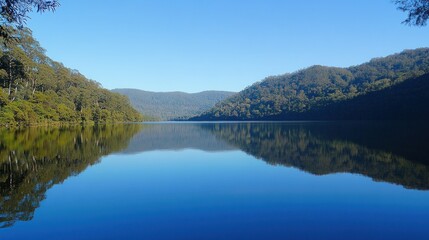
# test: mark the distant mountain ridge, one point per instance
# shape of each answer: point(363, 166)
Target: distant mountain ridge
point(172, 105)
point(332, 93)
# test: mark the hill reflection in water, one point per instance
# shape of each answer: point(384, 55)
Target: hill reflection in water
point(393, 152)
point(176, 136)
point(390, 152)
point(33, 160)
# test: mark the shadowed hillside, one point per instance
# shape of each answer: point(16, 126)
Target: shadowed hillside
point(384, 87)
point(406, 100)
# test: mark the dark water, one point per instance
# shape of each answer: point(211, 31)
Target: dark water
point(216, 181)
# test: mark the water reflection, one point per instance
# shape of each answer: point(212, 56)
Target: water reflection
point(176, 136)
point(390, 152)
point(35, 159)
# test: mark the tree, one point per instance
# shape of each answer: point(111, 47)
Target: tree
point(418, 11)
point(14, 13)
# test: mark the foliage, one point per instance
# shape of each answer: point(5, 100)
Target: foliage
point(37, 90)
point(404, 101)
point(173, 105)
point(291, 95)
point(418, 11)
point(14, 13)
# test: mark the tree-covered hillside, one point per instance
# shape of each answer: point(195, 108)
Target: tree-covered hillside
point(402, 101)
point(37, 90)
point(292, 96)
point(173, 105)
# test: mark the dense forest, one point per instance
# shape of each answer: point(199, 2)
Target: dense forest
point(296, 95)
point(403, 101)
point(37, 90)
point(172, 105)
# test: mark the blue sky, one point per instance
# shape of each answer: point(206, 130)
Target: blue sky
point(196, 45)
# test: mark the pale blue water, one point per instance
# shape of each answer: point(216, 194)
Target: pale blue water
point(217, 181)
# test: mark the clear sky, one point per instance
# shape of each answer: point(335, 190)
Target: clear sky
point(196, 45)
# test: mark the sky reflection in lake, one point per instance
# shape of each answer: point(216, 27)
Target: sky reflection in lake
point(211, 181)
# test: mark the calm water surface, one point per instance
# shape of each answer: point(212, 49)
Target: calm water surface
point(216, 181)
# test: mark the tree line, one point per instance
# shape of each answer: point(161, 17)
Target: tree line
point(291, 96)
point(34, 89)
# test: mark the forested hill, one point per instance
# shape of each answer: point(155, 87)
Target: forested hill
point(309, 93)
point(407, 100)
point(173, 105)
point(37, 90)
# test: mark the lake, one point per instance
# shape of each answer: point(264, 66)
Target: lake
point(251, 180)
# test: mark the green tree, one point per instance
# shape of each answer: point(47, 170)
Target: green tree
point(14, 13)
point(291, 96)
point(37, 90)
point(417, 10)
